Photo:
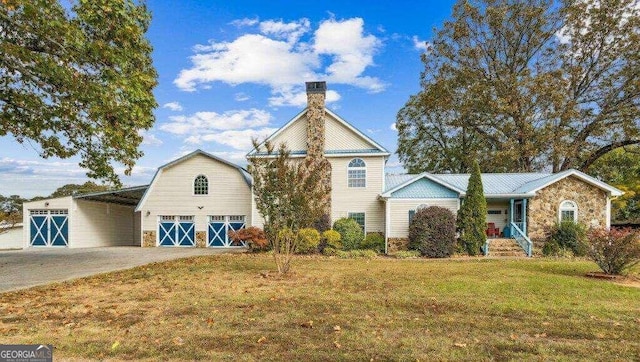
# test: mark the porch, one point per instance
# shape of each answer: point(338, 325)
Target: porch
point(507, 218)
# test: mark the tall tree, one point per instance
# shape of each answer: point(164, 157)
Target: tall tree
point(74, 189)
point(78, 82)
point(289, 194)
point(472, 215)
point(524, 85)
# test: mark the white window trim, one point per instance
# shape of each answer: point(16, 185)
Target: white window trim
point(574, 209)
point(364, 227)
point(193, 185)
point(357, 169)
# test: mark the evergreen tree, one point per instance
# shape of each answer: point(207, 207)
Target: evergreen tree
point(472, 216)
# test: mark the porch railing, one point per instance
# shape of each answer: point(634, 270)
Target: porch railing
point(521, 238)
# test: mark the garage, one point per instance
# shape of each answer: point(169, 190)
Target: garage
point(97, 219)
point(49, 227)
point(176, 230)
point(219, 228)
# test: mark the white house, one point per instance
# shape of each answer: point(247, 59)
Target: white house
point(197, 199)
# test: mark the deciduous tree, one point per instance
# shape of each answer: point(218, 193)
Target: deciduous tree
point(77, 82)
point(526, 86)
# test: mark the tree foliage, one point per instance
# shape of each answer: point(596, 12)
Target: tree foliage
point(472, 215)
point(289, 195)
point(433, 232)
point(524, 86)
point(74, 189)
point(78, 82)
point(621, 168)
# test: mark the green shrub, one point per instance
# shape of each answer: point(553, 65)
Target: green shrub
point(406, 254)
point(373, 241)
point(615, 251)
point(433, 232)
point(472, 215)
point(567, 236)
point(308, 240)
point(350, 231)
point(330, 240)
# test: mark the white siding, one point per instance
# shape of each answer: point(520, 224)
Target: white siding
point(172, 193)
point(339, 137)
point(295, 136)
point(399, 213)
point(11, 238)
point(346, 199)
point(57, 203)
point(499, 220)
point(137, 228)
point(97, 224)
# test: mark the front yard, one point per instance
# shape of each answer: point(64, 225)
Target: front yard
point(233, 307)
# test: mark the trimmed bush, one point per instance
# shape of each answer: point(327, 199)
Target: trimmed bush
point(433, 232)
point(330, 240)
point(373, 241)
point(567, 236)
point(350, 231)
point(615, 251)
point(308, 240)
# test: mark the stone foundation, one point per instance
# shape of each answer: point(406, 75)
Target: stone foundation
point(397, 244)
point(148, 239)
point(201, 239)
point(542, 213)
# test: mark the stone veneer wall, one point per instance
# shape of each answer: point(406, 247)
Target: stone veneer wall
point(397, 244)
point(316, 139)
point(542, 213)
point(148, 239)
point(201, 239)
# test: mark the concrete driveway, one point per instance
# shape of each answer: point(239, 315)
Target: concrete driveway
point(37, 266)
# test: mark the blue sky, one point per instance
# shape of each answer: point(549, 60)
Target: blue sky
point(232, 70)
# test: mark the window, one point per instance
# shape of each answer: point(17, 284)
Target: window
point(357, 173)
point(359, 218)
point(568, 211)
point(201, 185)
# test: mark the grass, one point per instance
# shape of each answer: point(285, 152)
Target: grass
point(231, 307)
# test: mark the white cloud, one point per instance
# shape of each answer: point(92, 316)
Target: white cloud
point(203, 122)
point(284, 55)
point(239, 157)
point(420, 45)
point(372, 130)
point(291, 32)
point(174, 106)
point(149, 138)
point(393, 127)
point(245, 22)
point(237, 139)
point(232, 128)
point(241, 97)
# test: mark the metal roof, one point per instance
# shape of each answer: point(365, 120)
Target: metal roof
point(128, 196)
point(495, 183)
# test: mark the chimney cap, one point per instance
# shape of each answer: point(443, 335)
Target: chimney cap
point(316, 87)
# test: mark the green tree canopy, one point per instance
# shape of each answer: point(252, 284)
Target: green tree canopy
point(526, 85)
point(78, 82)
point(74, 189)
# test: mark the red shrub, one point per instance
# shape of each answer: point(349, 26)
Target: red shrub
point(614, 250)
point(253, 236)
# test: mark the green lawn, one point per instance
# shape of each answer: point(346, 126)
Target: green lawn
point(224, 308)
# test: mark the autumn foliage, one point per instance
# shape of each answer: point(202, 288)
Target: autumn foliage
point(253, 236)
point(615, 250)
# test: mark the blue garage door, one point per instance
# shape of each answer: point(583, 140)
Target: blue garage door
point(219, 228)
point(49, 227)
point(176, 231)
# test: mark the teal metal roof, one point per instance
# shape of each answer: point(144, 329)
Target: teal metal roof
point(425, 189)
point(494, 184)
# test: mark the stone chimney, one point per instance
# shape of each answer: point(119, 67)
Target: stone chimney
point(316, 92)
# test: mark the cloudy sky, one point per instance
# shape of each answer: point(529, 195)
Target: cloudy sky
point(233, 70)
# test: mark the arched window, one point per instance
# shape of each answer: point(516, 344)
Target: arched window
point(357, 173)
point(568, 211)
point(201, 185)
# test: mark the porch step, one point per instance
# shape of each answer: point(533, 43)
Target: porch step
point(505, 247)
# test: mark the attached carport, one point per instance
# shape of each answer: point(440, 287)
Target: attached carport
point(90, 220)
